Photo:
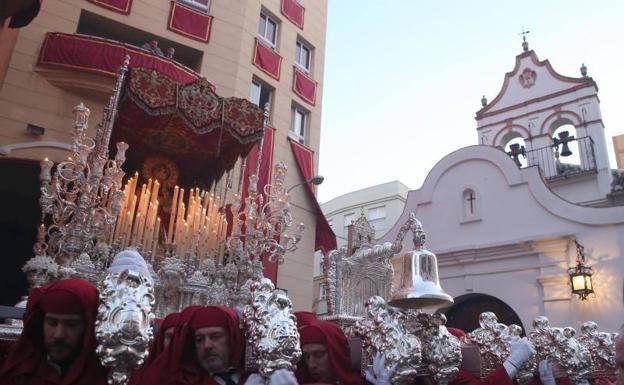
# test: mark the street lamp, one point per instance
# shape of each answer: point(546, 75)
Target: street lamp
point(581, 275)
point(315, 180)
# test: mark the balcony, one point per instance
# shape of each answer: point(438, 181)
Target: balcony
point(567, 157)
point(89, 63)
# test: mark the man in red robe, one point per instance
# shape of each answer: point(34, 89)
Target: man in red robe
point(163, 336)
point(206, 349)
point(326, 356)
point(57, 344)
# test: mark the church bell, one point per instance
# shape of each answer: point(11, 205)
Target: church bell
point(564, 138)
point(415, 282)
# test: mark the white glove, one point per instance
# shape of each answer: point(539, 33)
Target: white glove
point(380, 375)
point(255, 379)
point(283, 377)
point(520, 350)
point(547, 376)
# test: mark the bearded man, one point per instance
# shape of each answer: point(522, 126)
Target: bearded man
point(207, 349)
point(57, 344)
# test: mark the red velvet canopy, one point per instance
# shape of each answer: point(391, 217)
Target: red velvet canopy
point(183, 134)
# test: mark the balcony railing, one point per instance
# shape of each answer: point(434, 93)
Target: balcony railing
point(566, 157)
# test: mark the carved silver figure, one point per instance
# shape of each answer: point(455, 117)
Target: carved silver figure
point(271, 329)
point(494, 340)
point(123, 326)
point(601, 346)
point(560, 347)
point(383, 331)
point(441, 351)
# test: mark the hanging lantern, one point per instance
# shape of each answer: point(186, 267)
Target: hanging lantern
point(581, 275)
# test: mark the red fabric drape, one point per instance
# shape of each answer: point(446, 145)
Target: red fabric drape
point(94, 54)
point(293, 11)
point(267, 60)
point(264, 178)
point(304, 86)
point(121, 6)
point(325, 239)
point(189, 22)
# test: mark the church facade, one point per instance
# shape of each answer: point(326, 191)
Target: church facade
point(504, 217)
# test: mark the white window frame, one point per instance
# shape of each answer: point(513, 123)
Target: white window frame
point(373, 220)
point(196, 4)
point(267, 19)
point(260, 86)
point(299, 49)
point(300, 136)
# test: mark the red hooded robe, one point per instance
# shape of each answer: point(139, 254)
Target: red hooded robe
point(329, 334)
point(177, 365)
point(464, 377)
point(27, 362)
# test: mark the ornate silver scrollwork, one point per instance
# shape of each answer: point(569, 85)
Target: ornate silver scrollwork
point(441, 351)
point(123, 326)
point(601, 346)
point(560, 346)
point(494, 340)
point(418, 342)
point(383, 331)
point(271, 329)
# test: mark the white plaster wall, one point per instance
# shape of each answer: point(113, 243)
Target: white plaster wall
point(517, 248)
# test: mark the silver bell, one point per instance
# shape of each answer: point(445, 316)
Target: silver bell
point(415, 283)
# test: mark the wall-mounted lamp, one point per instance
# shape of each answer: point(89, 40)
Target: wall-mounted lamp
point(315, 180)
point(581, 275)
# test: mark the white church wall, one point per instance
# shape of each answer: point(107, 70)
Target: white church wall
point(519, 247)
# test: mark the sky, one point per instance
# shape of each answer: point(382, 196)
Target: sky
point(404, 78)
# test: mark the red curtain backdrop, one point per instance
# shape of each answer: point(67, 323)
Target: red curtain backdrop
point(264, 178)
point(293, 12)
point(267, 60)
point(189, 22)
point(304, 86)
point(94, 54)
point(121, 6)
point(325, 239)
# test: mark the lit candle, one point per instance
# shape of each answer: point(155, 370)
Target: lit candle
point(172, 214)
point(155, 239)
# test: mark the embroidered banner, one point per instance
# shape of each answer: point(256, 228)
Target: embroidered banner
point(325, 239)
point(304, 86)
point(121, 6)
point(189, 22)
point(293, 12)
point(94, 54)
point(267, 60)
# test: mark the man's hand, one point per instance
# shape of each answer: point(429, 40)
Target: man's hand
point(547, 376)
point(380, 375)
point(520, 350)
point(279, 377)
point(283, 377)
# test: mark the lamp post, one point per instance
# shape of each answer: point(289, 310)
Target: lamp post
point(315, 180)
point(581, 275)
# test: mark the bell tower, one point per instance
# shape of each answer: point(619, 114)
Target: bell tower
point(544, 119)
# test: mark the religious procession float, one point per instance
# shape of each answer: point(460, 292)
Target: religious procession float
point(153, 249)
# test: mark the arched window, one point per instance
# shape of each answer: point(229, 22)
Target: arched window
point(565, 146)
point(514, 147)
